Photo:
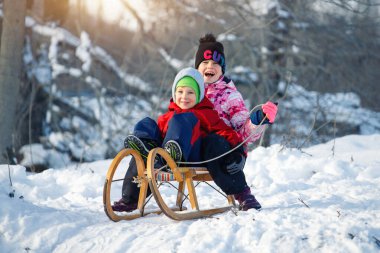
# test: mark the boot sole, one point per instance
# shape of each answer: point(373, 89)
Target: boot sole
point(135, 143)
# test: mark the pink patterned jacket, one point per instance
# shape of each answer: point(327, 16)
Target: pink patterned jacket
point(229, 104)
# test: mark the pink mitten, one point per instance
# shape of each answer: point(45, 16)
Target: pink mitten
point(270, 110)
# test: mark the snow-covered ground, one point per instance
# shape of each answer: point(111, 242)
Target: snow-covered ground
point(325, 198)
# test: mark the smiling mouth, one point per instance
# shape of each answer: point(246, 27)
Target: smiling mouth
point(209, 74)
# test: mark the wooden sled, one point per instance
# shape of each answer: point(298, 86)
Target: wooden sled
point(154, 179)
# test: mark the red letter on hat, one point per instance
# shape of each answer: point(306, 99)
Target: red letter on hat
point(207, 54)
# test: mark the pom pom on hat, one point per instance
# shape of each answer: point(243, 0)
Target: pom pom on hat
point(210, 49)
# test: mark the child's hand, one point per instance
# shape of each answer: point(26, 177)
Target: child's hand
point(270, 110)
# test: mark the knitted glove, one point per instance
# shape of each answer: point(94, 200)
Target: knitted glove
point(269, 110)
point(235, 162)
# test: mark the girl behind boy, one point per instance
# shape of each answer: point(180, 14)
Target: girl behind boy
point(227, 172)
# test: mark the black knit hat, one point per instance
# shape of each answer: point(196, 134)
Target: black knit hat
point(210, 49)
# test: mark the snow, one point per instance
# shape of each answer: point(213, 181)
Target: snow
point(341, 108)
point(325, 198)
point(175, 63)
point(82, 51)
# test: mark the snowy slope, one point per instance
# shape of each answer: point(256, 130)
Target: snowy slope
point(322, 199)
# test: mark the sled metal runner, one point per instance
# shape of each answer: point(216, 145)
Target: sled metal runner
point(149, 177)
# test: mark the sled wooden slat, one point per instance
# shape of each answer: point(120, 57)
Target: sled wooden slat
point(148, 177)
point(199, 173)
point(164, 176)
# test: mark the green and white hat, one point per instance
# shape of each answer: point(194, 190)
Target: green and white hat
point(190, 77)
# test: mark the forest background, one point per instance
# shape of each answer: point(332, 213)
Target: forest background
point(77, 75)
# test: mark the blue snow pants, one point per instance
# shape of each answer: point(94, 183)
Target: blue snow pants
point(181, 128)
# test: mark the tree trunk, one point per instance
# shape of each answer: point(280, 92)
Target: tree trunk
point(38, 10)
point(49, 10)
point(276, 62)
point(12, 43)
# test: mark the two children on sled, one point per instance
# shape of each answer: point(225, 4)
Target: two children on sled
point(205, 119)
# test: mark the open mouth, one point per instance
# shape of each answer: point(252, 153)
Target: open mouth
point(209, 74)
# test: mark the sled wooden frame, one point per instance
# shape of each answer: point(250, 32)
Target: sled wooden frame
point(185, 176)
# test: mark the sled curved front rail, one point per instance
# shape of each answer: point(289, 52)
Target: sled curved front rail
point(109, 179)
point(118, 216)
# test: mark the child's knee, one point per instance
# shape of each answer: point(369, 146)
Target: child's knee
point(147, 128)
point(184, 118)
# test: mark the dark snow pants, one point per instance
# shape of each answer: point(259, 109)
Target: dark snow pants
point(213, 146)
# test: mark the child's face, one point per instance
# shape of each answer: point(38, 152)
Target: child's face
point(210, 70)
point(185, 97)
